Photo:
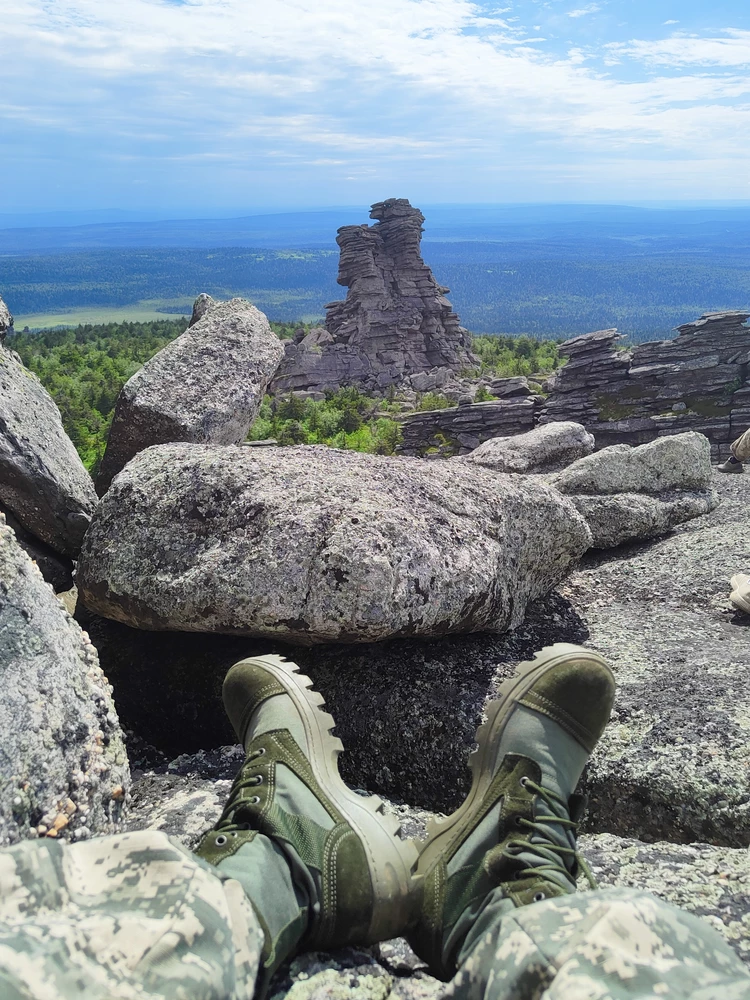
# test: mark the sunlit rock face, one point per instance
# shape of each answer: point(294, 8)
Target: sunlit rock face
point(395, 320)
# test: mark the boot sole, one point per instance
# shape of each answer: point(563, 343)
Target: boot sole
point(391, 860)
point(741, 600)
point(440, 833)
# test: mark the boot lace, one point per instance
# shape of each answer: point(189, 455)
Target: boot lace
point(238, 806)
point(556, 854)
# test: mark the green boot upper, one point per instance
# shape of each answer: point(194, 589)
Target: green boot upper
point(353, 874)
point(516, 829)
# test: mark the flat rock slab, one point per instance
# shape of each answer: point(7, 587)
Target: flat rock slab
point(205, 386)
point(546, 447)
point(42, 479)
point(315, 545)
point(187, 796)
point(675, 760)
point(62, 760)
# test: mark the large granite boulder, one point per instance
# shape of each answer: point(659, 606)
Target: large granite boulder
point(628, 493)
point(42, 480)
point(205, 386)
point(546, 447)
point(395, 321)
point(63, 767)
point(313, 544)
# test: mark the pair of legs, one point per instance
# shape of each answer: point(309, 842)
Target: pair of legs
point(740, 450)
point(297, 861)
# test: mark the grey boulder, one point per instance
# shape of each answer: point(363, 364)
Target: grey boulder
point(541, 449)
point(42, 479)
point(206, 386)
point(314, 545)
point(62, 759)
point(626, 494)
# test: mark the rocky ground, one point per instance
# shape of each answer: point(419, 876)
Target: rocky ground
point(669, 784)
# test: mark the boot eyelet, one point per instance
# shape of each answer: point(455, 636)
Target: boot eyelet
point(257, 779)
point(539, 896)
point(221, 840)
point(519, 820)
point(254, 800)
point(523, 781)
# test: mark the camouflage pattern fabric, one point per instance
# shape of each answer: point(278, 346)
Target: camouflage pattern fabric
point(114, 918)
point(612, 944)
point(741, 447)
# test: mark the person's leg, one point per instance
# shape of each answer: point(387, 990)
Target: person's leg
point(296, 860)
point(131, 916)
point(740, 450)
point(612, 944)
point(322, 866)
point(498, 910)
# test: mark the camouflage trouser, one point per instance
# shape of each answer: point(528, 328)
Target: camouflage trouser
point(136, 916)
point(612, 944)
point(130, 916)
point(741, 447)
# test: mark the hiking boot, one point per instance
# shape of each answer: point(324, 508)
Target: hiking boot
point(731, 465)
point(513, 838)
point(740, 595)
point(322, 865)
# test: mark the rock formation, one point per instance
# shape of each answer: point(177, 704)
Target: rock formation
point(542, 449)
point(459, 430)
point(698, 382)
point(206, 386)
point(63, 768)
point(42, 480)
point(626, 494)
point(395, 321)
point(313, 544)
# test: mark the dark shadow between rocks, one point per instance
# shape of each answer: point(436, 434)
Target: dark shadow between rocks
point(406, 710)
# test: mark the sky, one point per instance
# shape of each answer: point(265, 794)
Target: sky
point(196, 107)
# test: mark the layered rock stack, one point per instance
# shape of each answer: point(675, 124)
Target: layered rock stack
point(698, 382)
point(395, 320)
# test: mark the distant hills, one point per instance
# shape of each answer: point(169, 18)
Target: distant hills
point(548, 270)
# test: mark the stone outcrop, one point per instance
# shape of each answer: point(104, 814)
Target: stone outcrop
point(460, 429)
point(697, 381)
point(544, 448)
point(42, 480)
point(186, 796)
point(62, 760)
point(205, 386)
point(6, 320)
point(674, 763)
point(313, 544)
point(395, 321)
point(627, 494)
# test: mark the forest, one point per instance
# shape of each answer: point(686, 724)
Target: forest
point(84, 369)
point(554, 291)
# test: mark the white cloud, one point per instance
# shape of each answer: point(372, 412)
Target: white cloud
point(731, 48)
point(349, 87)
point(670, 22)
point(592, 8)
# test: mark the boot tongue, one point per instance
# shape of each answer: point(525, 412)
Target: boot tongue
point(561, 759)
point(278, 712)
point(560, 756)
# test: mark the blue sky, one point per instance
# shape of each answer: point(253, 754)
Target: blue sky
point(193, 107)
